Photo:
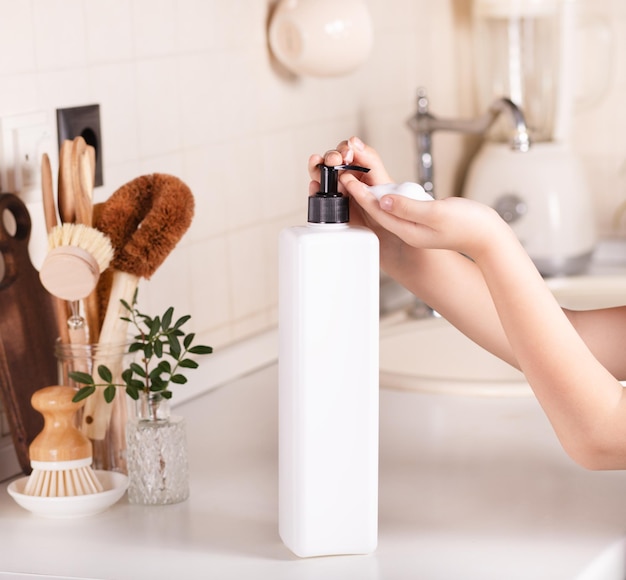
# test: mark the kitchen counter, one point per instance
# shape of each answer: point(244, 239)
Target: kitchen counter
point(473, 488)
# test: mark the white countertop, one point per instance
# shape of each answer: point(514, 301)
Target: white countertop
point(472, 488)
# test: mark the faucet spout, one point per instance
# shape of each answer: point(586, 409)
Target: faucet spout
point(423, 124)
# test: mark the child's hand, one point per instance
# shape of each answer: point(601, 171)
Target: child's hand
point(355, 152)
point(351, 152)
point(454, 223)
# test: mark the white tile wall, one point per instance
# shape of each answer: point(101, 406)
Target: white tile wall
point(189, 87)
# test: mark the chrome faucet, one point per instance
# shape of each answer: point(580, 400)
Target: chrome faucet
point(423, 124)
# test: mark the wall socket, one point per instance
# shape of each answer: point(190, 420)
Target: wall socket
point(23, 140)
point(82, 122)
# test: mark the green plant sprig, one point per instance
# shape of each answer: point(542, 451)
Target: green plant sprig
point(158, 339)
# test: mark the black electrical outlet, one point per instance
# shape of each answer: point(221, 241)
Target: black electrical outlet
point(82, 122)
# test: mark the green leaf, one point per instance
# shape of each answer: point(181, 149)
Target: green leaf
point(165, 366)
point(175, 349)
point(155, 327)
point(135, 384)
point(158, 349)
point(135, 346)
point(132, 392)
point(138, 369)
point(105, 374)
point(187, 363)
point(127, 375)
point(83, 393)
point(166, 394)
point(80, 377)
point(147, 320)
point(158, 384)
point(167, 318)
point(109, 393)
point(178, 379)
point(201, 349)
point(182, 320)
point(188, 340)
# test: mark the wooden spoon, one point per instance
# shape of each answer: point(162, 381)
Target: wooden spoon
point(84, 214)
point(67, 211)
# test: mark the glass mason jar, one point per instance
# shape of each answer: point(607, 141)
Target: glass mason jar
point(103, 423)
point(158, 469)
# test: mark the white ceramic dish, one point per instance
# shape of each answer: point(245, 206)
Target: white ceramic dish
point(114, 484)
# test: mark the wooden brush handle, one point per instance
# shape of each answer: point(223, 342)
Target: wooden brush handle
point(92, 316)
point(114, 331)
point(59, 440)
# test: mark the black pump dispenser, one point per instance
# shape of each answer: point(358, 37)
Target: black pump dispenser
point(328, 206)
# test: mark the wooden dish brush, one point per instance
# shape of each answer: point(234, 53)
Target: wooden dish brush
point(77, 255)
point(145, 219)
point(60, 455)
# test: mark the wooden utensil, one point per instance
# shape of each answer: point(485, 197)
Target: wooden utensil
point(85, 160)
point(50, 216)
point(144, 219)
point(76, 255)
point(28, 330)
point(81, 188)
point(67, 211)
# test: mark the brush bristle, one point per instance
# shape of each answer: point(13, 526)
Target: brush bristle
point(62, 482)
point(145, 219)
point(81, 236)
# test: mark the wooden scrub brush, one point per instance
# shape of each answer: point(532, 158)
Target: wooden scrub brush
point(77, 255)
point(144, 219)
point(60, 455)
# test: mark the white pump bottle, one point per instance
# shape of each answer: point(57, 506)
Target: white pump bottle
point(328, 379)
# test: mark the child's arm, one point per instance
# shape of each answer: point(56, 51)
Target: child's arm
point(500, 301)
point(583, 400)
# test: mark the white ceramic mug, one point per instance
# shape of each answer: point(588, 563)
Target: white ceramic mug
point(321, 37)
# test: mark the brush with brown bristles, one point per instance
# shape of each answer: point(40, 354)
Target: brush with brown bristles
point(144, 219)
point(60, 455)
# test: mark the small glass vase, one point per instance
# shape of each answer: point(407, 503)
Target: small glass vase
point(103, 423)
point(158, 469)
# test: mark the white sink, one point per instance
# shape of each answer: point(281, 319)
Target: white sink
point(609, 565)
point(430, 355)
point(587, 292)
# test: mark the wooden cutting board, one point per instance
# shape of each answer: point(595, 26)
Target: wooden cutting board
point(27, 328)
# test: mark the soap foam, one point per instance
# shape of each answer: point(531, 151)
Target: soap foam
point(407, 189)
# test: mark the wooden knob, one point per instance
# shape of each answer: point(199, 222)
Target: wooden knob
point(59, 439)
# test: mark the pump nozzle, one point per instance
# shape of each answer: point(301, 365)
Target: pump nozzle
point(329, 175)
point(328, 206)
